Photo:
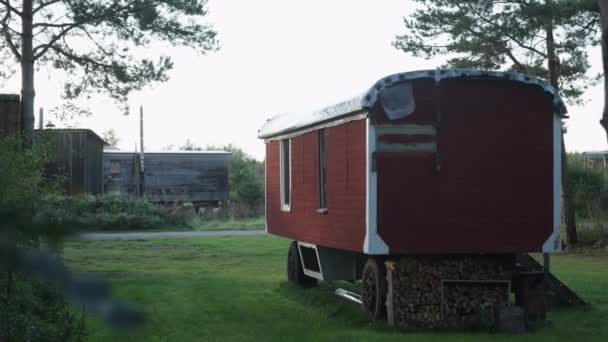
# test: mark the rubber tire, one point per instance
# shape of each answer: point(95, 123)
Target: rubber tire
point(374, 289)
point(295, 272)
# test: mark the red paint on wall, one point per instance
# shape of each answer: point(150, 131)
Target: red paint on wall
point(493, 192)
point(405, 138)
point(343, 226)
point(489, 189)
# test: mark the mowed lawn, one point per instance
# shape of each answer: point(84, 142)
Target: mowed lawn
point(234, 289)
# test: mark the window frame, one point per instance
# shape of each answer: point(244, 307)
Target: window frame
point(115, 167)
point(322, 169)
point(285, 205)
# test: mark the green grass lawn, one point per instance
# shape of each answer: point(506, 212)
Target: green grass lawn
point(234, 289)
point(227, 224)
point(202, 224)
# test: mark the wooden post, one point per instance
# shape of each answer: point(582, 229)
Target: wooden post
point(390, 310)
point(142, 180)
point(41, 119)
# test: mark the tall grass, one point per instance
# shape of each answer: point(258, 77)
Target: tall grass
point(590, 194)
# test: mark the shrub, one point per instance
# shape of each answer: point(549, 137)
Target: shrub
point(588, 189)
point(34, 311)
point(246, 177)
point(29, 310)
point(112, 211)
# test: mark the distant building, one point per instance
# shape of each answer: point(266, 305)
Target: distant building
point(596, 159)
point(200, 177)
point(76, 159)
point(76, 155)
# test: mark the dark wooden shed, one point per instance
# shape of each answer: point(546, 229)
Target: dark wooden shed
point(186, 176)
point(10, 114)
point(121, 172)
point(76, 158)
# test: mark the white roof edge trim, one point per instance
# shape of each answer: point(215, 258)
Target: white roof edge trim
point(292, 122)
point(211, 152)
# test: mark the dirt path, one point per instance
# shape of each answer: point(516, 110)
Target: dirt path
point(158, 235)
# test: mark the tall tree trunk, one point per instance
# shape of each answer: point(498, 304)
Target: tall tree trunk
point(553, 67)
point(603, 4)
point(27, 72)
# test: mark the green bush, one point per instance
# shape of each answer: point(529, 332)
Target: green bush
point(111, 211)
point(588, 188)
point(246, 178)
point(30, 310)
point(34, 311)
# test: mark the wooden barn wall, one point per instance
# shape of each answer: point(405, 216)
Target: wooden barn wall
point(170, 177)
point(186, 177)
point(494, 189)
point(124, 178)
point(343, 226)
point(10, 115)
point(76, 158)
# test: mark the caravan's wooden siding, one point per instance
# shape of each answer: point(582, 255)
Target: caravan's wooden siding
point(493, 191)
point(343, 226)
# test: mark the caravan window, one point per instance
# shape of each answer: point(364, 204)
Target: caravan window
point(285, 175)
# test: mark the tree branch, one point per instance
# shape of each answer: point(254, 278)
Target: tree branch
point(585, 29)
point(67, 27)
point(46, 47)
point(9, 8)
point(504, 32)
point(7, 36)
point(520, 66)
point(43, 5)
point(78, 59)
point(101, 48)
point(52, 25)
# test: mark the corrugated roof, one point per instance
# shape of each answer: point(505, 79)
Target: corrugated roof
point(293, 122)
point(595, 154)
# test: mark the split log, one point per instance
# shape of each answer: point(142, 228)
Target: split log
point(428, 292)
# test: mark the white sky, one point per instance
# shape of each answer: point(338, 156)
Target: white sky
point(279, 56)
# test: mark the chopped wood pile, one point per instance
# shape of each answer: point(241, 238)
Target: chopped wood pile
point(447, 291)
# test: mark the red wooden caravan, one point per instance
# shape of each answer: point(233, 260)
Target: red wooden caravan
point(427, 163)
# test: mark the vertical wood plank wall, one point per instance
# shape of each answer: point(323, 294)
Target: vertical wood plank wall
point(10, 114)
point(493, 192)
point(343, 226)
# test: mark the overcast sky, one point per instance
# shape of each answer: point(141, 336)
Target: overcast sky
point(279, 56)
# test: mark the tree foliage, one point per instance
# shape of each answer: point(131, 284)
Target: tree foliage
point(514, 35)
point(110, 137)
point(189, 145)
point(34, 286)
point(98, 46)
point(246, 178)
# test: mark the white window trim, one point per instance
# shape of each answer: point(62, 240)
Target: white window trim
point(322, 160)
point(284, 206)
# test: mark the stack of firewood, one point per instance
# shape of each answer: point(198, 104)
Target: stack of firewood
point(434, 292)
point(472, 304)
